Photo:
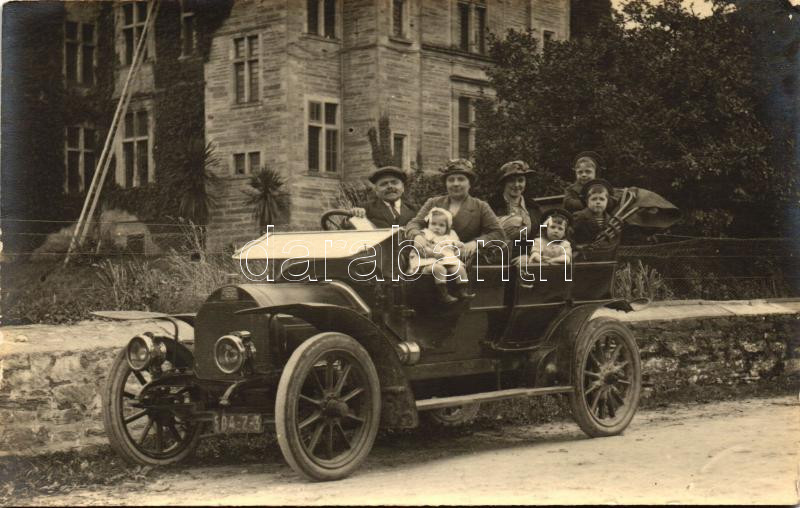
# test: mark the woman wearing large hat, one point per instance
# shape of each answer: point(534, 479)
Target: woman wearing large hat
point(515, 211)
point(473, 218)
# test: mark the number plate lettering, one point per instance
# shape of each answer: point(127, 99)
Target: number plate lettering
point(238, 423)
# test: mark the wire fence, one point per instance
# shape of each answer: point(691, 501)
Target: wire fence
point(672, 268)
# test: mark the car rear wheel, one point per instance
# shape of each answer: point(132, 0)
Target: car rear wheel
point(608, 378)
point(453, 416)
point(141, 431)
point(327, 408)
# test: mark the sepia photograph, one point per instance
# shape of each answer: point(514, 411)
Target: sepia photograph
point(399, 252)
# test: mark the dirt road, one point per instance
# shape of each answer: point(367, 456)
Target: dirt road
point(729, 452)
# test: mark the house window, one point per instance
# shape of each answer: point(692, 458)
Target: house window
point(465, 141)
point(399, 18)
point(136, 148)
point(245, 69)
point(246, 163)
point(321, 18)
point(399, 150)
point(548, 36)
point(134, 15)
point(188, 36)
point(80, 158)
point(323, 136)
point(472, 27)
point(79, 43)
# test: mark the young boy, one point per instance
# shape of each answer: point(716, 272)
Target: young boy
point(586, 166)
point(592, 220)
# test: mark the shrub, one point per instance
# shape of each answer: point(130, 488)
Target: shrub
point(638, 280)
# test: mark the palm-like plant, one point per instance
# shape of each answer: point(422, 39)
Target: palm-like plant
point(268, 198)
point(196, 180)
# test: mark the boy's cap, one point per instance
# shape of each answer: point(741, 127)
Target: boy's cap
point(594, 156)
point(514, 168)
point(597, 182)
point(557, 212)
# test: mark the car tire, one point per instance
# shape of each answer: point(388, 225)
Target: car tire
point(608, 378)
point(327, 407)
point(142, 436)
point(455, 416)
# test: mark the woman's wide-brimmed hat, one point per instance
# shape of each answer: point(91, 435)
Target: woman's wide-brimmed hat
point(597, 182)
point(513, 168)
point(460, 167)
point(594, 156)
point(557, 212)
point(388, 171)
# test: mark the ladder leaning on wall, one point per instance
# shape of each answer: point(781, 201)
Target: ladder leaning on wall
point(103, 163)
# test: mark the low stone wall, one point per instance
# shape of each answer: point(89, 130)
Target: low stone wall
point(51, 376)
point(716, 350)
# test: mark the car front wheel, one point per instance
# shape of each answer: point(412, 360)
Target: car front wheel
point(608, 378)
point(141, 427)
point(327, 407)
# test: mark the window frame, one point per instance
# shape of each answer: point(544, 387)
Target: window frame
point(187, 13)
point(458, 125)
point(149, 44)
point(247, 153)
point(135, 139)
point(322, 145)
point(320, 30)
point(405, 24)
point(79, 41)
point(405, 162)
point(247, 60)
point(471, 39)
point(82, 151)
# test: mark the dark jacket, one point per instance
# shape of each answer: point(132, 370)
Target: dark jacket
point(586, 229)
point(500, 207)
point(572, 198)
point(475, 220)
point(378, 213)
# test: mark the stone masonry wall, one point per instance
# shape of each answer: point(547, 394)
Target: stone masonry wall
point(50, 397)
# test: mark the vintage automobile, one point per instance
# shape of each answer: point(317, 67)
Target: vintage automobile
point(339, 343)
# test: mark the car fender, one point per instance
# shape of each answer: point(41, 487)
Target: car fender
point(563, 333)
point(399, 408)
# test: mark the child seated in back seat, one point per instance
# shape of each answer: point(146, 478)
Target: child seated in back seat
point(592, 220)
point(440, 257)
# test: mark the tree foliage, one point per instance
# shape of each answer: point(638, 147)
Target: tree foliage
point(268, 197)
point(668, 99)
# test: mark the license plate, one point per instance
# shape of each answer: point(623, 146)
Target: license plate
point(238, 423)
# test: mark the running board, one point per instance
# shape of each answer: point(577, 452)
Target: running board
point(459, 400)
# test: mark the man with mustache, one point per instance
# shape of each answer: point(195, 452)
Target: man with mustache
point(388, 207)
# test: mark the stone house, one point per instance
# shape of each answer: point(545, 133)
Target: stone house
point(292, 85)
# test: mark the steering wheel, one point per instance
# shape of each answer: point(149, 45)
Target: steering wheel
point(335, 220)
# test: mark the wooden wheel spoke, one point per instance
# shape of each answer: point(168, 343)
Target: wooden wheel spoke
point(615, 354)
point(337, 390)
point(623, 381)
point(330, 440)
point(352, 416)
point(594, 358)
point(139, 377)
point(592, 374)
point(312, 401)
point(159, 436)
point(317, 381)
point(595, 400)
point(146, 431)
point(344, 436)
point(135, 416)
point(617, 394)
point(312, 444)
point(329, 376)
point(311, 419)
point(128, 395)
point(592, 388)
point(174, 431)
point(611, 404)
point(354, 393)
point(621, 366)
